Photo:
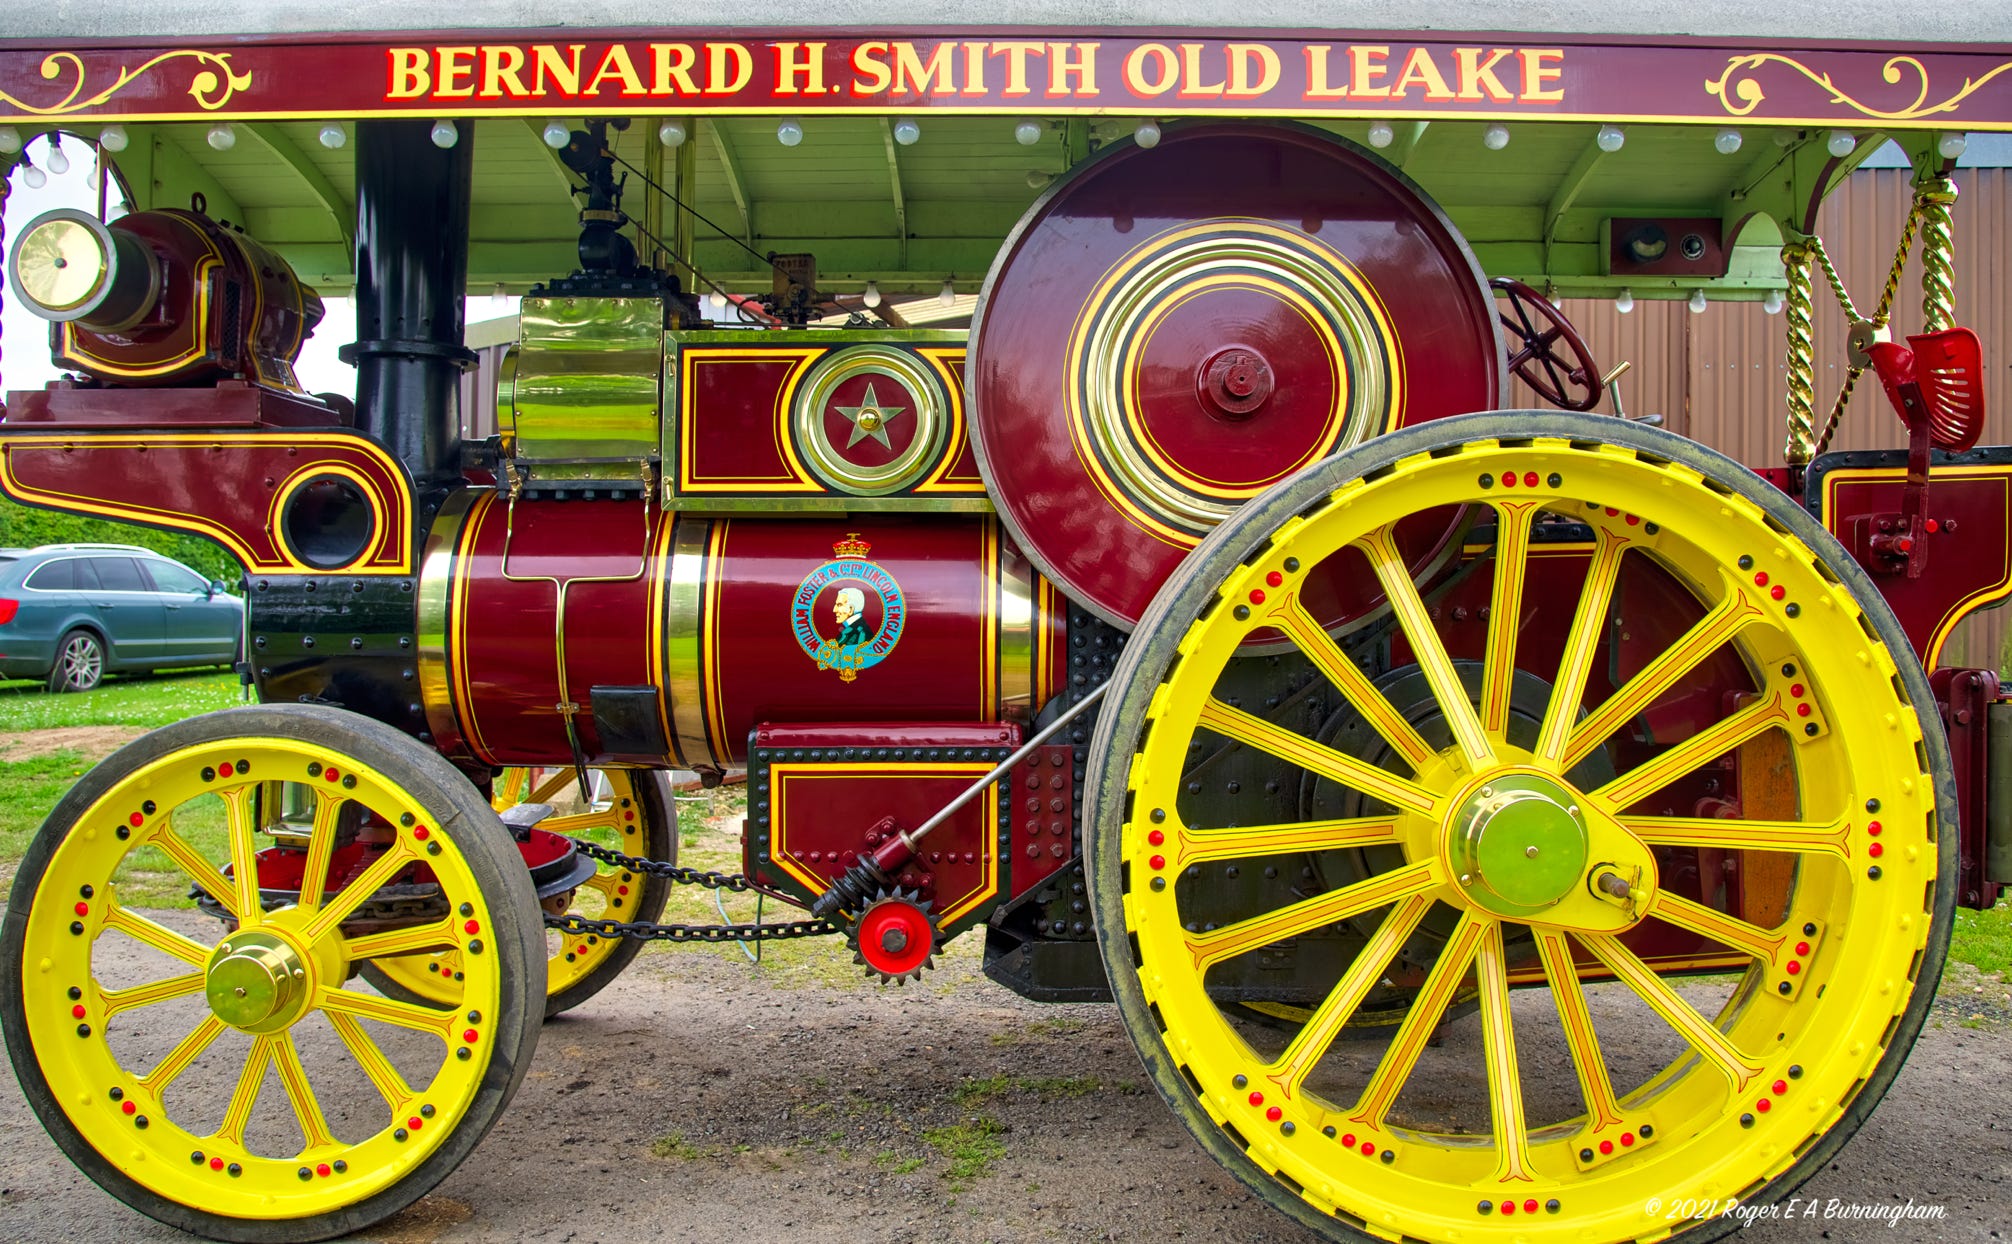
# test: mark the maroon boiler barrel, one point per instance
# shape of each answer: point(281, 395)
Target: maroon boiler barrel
point(676, 636)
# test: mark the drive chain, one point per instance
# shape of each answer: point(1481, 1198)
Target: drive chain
point(645, 931)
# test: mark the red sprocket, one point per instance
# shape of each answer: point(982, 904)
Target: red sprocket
point(896, 937)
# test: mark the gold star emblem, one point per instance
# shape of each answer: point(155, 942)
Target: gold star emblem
point(870, 418)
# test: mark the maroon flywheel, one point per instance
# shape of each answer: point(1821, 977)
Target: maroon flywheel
point(1170, 331)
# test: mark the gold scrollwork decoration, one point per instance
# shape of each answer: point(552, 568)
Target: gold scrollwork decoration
point(211, 89)
point(1739, 88)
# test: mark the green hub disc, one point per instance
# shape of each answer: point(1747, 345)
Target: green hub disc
point(1519, 843)
point(255, 982)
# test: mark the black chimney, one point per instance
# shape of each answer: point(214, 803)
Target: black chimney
point(412, 202)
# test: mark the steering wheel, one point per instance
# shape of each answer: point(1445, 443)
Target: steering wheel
point(1537, 327)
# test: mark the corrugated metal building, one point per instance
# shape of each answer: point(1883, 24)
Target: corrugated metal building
point(1718, 376)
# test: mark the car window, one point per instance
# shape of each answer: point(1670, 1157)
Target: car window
point(169, 577)
point(65, 574)
point(57, 576)
point(120, 574)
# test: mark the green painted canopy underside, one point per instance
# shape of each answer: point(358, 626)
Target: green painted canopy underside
point(910, 217)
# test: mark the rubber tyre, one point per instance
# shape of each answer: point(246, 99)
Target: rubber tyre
point(89, 655)
point(516, 936)
point(1153, 648)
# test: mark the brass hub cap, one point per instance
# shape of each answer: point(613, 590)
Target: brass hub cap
point(256, 982)
point(1519, 843)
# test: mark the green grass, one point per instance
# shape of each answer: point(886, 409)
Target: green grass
point(146, 878)
point(971, 1148)
point(143, 702)
point(1983, 939)
point(973, 1092)
point(675, 1146)
point(28, 789)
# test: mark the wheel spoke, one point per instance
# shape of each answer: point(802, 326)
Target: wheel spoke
point(161, 938)
point(1498, 1043)
point(1311, 1043)
point(1708, 744)
point(509, 789)
point(243, 829)
point(116, 1000)
point(306, 1109)
point(1234, 723)
point(197, 869)
point(579, 822)
point(386, 1011)
point(1199, 846)
point(548, 790)
point(186, 1051)
point(1308, 914)
point(237, 1115)
point(1602, 1110)
point(1380, 547)
point(1589, 623)
point(389, 1081)
point(334, 911)
point(1355, 687)
point(1709, 1042)
point(320, 849)
point(1727, 619)
point(1717, 925)
point(1806, 837)
point(1505, 611)
point(1426, 1009)
point(433, 936)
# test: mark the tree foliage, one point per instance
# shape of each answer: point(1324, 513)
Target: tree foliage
point(25, 527)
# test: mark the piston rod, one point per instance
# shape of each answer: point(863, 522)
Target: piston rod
point(857, 884)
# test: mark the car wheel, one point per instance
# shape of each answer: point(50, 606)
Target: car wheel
point(80, 662)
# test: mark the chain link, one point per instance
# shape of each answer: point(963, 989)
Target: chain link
point(645, 931)
point(658, 868)
point(642, 931)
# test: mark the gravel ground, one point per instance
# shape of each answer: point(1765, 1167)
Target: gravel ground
point(699, 1099)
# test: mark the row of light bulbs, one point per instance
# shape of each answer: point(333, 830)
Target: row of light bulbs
point(907, 131)
point(1624, 302)
point(789, 132)
point(947, 296)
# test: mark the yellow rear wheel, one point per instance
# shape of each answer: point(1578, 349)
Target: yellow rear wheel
point(629, 810)
point(1536, 831)
point(229, 1075)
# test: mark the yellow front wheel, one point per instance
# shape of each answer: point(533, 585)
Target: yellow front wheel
point(1650, 774)
point(630, 810)
point(216, 1064)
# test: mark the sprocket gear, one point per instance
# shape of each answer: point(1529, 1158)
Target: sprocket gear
point(896, 937)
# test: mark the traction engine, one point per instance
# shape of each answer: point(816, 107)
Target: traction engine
point(1181, 628)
